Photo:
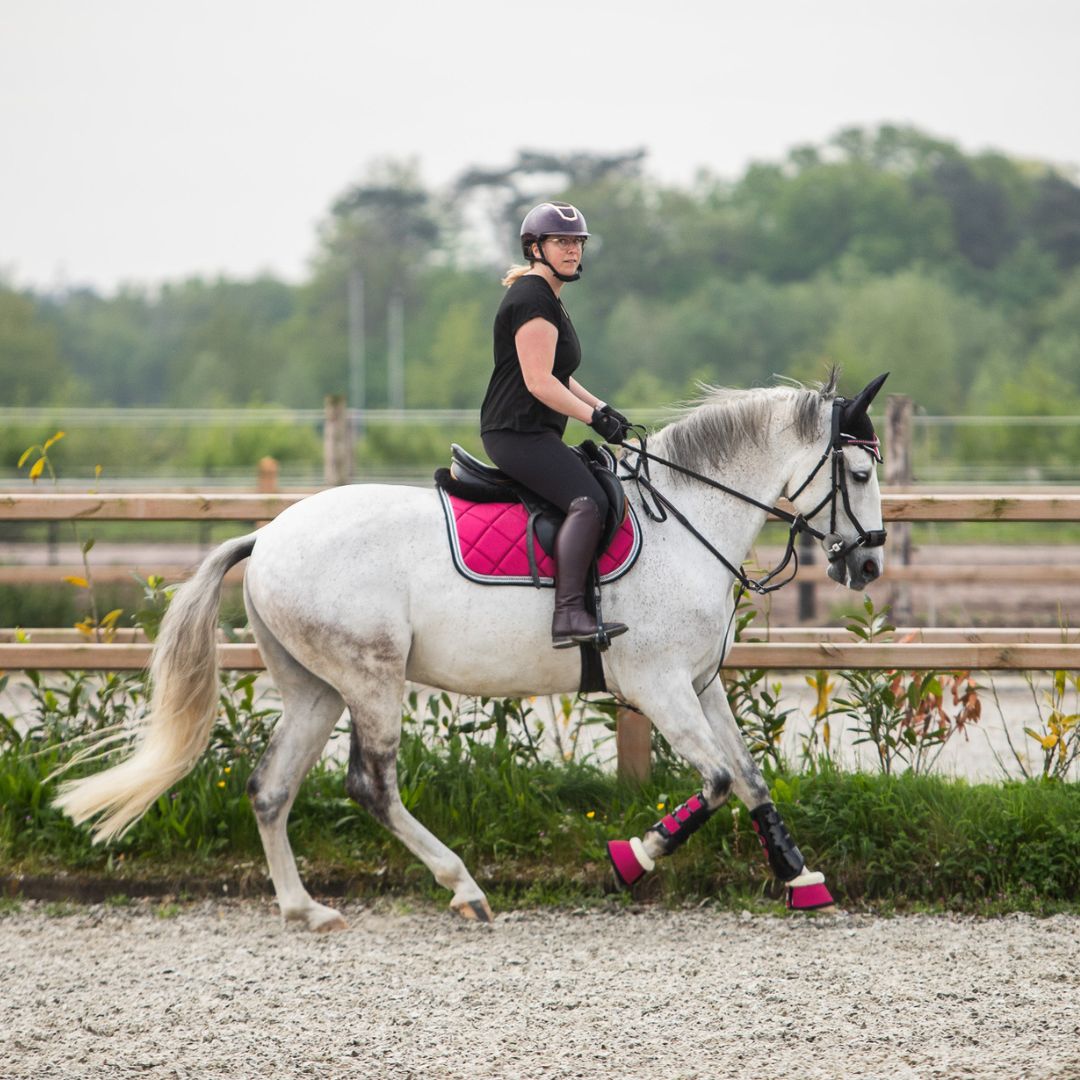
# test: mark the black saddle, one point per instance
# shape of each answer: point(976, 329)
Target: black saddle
point(469, 478)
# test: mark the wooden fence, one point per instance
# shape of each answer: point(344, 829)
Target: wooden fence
point(784, 651)
point(777, 654)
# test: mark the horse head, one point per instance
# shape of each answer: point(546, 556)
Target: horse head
point(840, 496)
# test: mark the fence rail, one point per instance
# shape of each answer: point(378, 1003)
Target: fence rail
point(773, 656)
point(896, 506)
point(783, 653)
point(940, 574)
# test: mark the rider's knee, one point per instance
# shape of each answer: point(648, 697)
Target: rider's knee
point(600, 501)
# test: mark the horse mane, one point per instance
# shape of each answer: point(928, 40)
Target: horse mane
point(723, 421)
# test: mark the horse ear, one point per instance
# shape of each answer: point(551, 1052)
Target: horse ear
point(857, 407)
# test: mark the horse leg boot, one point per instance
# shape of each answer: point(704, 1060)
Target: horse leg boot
point(575, 549)
point(806, 890)
point(632, 859)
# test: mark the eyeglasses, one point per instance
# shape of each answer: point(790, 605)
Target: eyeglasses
point(566, 242)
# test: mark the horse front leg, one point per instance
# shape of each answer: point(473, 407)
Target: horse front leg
point(677, 713)
point(806, 890)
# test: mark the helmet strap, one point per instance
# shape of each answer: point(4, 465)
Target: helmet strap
point(562, 277)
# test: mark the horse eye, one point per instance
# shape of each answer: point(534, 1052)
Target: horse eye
point(861, 476)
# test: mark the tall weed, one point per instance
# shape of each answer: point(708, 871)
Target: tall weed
point(903, 714)
point(1057, 711)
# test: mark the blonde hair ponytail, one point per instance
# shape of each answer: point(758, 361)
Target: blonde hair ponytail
point(518, 270)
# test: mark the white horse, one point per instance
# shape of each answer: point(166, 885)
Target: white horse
point(352, 592)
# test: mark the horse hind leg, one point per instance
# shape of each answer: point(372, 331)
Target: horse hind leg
point(310, 708)
point(372, 782)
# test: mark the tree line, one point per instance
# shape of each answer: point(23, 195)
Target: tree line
point(880, 249)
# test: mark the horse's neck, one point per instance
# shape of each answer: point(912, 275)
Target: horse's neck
point(761, 472)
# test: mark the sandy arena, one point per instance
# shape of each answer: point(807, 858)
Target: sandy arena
point(222, 990)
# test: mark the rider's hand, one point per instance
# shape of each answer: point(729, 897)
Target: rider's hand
point(609, 426)
point(615, 412)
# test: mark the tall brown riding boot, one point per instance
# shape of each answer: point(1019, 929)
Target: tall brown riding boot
point(575, 549)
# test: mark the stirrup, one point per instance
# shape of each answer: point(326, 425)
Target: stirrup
point(600, 637)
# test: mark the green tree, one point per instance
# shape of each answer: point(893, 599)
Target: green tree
point(1054, 219)
point(909, 325)
point(451, 345)
point(225, 348)
point(32, 371)
point(382, 232)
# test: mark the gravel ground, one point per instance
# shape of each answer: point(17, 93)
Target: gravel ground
point(221, 989)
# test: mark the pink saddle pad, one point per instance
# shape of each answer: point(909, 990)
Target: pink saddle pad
point(487, 541)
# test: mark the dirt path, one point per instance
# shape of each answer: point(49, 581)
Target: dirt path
point(221, 990)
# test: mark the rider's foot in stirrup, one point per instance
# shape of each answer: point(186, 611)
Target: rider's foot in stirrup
point(568, 638)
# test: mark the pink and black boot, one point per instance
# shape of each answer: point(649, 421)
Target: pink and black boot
point(806, 891)
point(630, 859)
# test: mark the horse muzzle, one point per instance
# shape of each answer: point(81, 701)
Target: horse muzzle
point(854, 566)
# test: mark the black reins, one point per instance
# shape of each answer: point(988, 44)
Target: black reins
point(835, 546)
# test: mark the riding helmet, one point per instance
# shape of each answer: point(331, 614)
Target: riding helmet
point(552, 219)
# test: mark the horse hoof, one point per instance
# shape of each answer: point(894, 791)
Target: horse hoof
point(330, 926)
point(474, 911)
point(322, 920)
point(807, 892)
point(629, 860)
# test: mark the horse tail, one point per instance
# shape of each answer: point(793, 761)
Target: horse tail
point(184, 686)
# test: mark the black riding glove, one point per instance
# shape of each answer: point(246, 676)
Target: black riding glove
point(618, 415)
point(609, 425)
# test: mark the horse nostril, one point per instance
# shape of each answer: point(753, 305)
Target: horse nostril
point(869, 569)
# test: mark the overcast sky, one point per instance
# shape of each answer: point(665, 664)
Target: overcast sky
point(150, 140)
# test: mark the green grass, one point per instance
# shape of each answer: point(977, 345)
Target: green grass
point(10, 905)
point(61, 909)
point(534, 833)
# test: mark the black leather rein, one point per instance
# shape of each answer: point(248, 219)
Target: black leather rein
point(835, 546)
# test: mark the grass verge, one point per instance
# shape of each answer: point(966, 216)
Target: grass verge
point(533, 833)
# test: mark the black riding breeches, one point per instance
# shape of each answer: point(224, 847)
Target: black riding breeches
point(545, 464)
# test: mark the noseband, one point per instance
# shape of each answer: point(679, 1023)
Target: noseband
point(835, 547)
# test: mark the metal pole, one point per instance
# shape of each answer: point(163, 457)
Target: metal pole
point(395, 350)
point(357, 358)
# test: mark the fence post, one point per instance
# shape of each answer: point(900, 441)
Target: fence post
point(899, 411)
point(337, 442)
point(633, 746)
point(266, 481)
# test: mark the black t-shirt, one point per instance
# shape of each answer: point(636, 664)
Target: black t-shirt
point(508, 403)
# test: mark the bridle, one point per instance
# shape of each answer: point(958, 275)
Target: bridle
point(836, 549)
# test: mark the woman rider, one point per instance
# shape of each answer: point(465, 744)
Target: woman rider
point(532, 392)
